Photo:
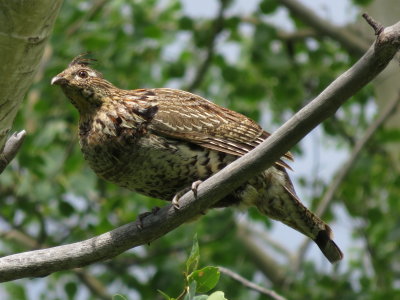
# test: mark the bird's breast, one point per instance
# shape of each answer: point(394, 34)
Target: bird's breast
point(135, 158)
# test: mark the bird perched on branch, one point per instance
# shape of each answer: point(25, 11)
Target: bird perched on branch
point(161, 142)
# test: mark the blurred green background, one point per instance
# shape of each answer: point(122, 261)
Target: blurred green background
point(254, 57)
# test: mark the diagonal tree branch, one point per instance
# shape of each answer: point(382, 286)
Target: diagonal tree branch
point(96, 7)
point(388, 110)
point(216, 30)
point(352, 42)
point(270, 293)
point(263, 260)
point(92, 283)
point(45, 261)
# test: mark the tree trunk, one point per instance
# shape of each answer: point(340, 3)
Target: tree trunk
point(25, 27)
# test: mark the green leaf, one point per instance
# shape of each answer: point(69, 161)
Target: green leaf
point(201, 297)
point(191, 291)
point(71, 289)
point(194, 257)
point(362, 2)
point(268, 6)
point(15, 291)
point(153, 32)
point(206, 278)
point(119, 297)
point(186, 23)
point(218, 295)
point(65, 208)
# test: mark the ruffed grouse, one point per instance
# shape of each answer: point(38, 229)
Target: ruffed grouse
point(158, 142)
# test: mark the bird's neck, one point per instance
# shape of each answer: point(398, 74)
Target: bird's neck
point(86, 101)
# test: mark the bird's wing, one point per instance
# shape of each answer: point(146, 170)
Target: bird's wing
point(185, 116)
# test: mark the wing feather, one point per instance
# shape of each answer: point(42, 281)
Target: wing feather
point(183, 115)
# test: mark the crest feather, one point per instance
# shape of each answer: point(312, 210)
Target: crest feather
point(82, 60)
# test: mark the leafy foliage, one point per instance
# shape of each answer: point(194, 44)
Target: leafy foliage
point(198, 281)
point(49, 196)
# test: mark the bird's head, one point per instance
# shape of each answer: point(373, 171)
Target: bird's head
point(85, 87)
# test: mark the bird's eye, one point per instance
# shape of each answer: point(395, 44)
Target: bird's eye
point(83, 74)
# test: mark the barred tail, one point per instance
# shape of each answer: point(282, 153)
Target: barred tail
point(328, 246)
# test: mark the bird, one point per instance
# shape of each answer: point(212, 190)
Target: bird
point(163, 142)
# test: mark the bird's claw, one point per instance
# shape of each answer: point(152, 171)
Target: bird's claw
point(193, 188)
point(175, 201)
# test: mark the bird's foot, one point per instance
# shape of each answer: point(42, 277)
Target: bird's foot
point(175, 200)
point(141, 216)
point(193, 188)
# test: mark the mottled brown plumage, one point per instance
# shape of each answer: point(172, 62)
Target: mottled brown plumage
point(159, 141)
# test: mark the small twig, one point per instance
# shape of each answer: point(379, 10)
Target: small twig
point(94, 285)
point(388, 110)
point(298, 35)
point(264, 261)
point(87, 16)
point(217, 28)
point(352, 42)
point(370, 252)
point(246, 227)
point(378, 27)
point(11, 148)
point(251, 285)
point(341, 130)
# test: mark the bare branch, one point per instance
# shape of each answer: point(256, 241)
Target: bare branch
point(270, 293)
point(217, 28)
point(360, 145)
point(354, 43)
point(374, 24)
point(329, 195)
point(263, 260)
point(96, 6)
point(91, 282)
point(263, 235)
point(11, 148)
point(45, 261)
point(298, 35)
point(94, 285)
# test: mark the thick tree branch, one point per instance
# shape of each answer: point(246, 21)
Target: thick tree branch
point(270, 293)
point(352, 42)
point(92, 283)
point(25, 27)
point(45, 261)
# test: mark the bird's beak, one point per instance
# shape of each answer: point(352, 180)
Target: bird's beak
point(59, 80)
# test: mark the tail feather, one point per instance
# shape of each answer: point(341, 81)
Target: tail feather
point(328, 246)
point(273, 194)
